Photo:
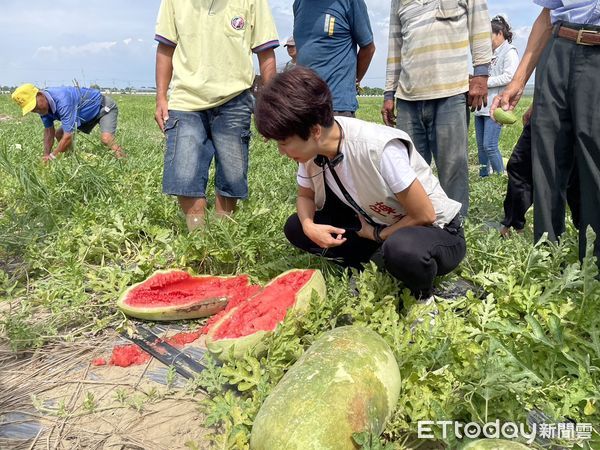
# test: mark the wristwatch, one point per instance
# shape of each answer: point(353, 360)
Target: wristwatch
point(377, 233)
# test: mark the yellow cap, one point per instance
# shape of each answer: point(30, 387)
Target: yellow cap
point(25, 97)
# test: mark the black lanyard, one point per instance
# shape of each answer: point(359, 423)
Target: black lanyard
point(347, 196)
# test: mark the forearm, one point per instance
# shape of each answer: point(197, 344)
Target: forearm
point(363, 60)
point(538, 39)
point(419, 209)
point(406, 221)
point(305, 208)
point(64, 143)
point(49, 134)
point(267, 65)
point(164, 70)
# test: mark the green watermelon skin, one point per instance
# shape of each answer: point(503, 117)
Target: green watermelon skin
point(348, 381)
point(504, 117)
point(495, 444)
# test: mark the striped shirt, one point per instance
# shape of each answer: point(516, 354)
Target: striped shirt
point(429, 44)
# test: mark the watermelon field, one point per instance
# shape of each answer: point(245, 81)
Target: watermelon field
point(76, 233)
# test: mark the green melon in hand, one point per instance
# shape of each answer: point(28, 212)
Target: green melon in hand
point(504, 117)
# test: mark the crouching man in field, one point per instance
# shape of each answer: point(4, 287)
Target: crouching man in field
point(205, 53)
point(364, 192)
point(76, 108)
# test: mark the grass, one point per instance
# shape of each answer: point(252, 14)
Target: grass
point(74, 234)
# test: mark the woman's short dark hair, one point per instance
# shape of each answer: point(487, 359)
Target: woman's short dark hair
point(292, 103)
point(501, 26)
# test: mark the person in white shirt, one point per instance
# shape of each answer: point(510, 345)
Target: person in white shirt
point(505, 61)
point(363, 189)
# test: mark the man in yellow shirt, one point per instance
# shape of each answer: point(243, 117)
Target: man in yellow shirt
point(205, 52)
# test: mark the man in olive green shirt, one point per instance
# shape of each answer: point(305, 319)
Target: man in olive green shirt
point(205, 53)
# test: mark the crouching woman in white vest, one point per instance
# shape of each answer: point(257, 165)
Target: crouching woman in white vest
point(362, 187)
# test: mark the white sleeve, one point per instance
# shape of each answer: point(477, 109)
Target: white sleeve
point(302, 178)
point(510, 67)
point(395, 166)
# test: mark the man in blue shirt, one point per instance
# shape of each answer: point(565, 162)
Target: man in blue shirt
point(327, 34)
point(76, 108)
point(564, 44)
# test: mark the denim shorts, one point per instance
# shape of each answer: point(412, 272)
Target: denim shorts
point(195, 137)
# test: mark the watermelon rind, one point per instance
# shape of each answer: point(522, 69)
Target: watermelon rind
point(347, 382)
point(235, 348)
point(193, 310)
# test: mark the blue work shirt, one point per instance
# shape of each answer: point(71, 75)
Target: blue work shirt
point(327, 33)
point(72, 106)
point(584, 12)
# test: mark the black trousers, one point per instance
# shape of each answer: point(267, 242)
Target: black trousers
point(413, 255)
point(566, 131)
point(519, 192)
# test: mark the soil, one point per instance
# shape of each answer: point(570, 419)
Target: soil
point(55, 398)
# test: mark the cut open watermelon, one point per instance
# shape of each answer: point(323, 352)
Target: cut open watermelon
point(246, 325)
point(176, 295)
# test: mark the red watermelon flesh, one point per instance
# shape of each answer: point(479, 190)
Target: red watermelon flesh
point(179, 288)
point(130, 354)
point(266, 309)
point(240, 296)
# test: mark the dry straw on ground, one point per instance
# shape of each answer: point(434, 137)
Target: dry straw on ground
point(54, 398)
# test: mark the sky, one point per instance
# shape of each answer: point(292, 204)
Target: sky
point(110, 42)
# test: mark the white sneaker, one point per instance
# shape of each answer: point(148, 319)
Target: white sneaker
point(426, 312)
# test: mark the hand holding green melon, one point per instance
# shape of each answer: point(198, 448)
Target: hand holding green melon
point(504, 117)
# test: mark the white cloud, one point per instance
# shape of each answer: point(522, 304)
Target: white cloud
point(126, 61)
point(44, 51)
point(87, 49)
point(522, 32)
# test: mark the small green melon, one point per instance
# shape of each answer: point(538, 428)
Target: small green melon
point(504, 117)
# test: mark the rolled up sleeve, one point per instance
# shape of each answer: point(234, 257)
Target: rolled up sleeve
point(480, 35)
point(550, 4)
point(166, 30)
point(264, 32)
point(392, 72)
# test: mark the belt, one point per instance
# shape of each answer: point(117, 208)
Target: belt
point(581, 37)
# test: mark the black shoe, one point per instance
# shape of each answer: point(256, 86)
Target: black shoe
point(453, 289)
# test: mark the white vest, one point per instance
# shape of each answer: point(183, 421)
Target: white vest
point(363, 146)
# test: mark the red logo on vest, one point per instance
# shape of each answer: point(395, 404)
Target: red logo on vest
point(238, 23)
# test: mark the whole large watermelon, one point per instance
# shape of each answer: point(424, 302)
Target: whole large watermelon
point(348, 381)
